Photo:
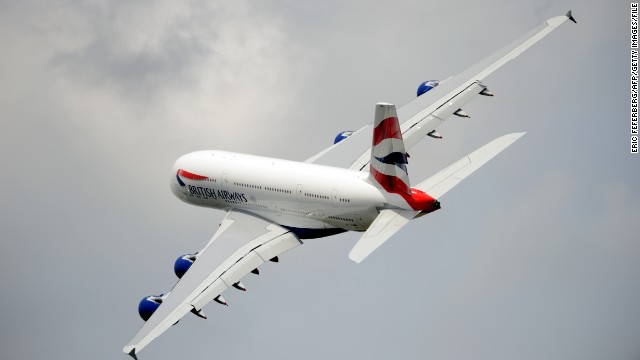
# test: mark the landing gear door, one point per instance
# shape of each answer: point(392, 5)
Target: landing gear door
point(359, 222)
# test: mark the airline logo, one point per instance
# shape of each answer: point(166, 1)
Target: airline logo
point(188, 175)
point(205, 192)
point(388, 156)
point(395, 158)
point(388, 164)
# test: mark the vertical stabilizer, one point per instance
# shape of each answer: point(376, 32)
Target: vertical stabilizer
point(388, 157)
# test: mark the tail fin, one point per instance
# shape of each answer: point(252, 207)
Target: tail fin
point(388, 157)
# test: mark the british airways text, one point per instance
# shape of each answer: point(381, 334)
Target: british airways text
point(217, 194)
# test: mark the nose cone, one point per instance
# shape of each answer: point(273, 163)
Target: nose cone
point(184, 162)
point(185, 171)
point(175, 182)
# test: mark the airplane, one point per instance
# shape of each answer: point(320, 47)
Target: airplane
point(360, 183)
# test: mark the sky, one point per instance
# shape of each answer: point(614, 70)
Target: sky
point(535, 256)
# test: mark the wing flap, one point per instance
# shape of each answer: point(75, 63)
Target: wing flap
point(241, 268)
point(419, 126)
point(277, 246)
point(209, 294)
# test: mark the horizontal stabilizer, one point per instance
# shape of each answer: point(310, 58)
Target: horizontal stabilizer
point(445, 180)
point(388, 222)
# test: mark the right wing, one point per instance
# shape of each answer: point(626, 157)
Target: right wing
point(427, 112)
point(242, 242)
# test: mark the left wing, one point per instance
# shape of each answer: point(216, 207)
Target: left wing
point(242, 242)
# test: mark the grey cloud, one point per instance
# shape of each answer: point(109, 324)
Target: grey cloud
point(535, 256)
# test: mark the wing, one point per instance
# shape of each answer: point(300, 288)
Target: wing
point(425, 113)
point(242, 242)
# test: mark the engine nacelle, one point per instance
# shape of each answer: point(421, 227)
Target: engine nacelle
point(183, 263)
point(343, 135)
point(426, 86)
point(149, 304)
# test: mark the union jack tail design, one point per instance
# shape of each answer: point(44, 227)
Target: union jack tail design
point(388, 157)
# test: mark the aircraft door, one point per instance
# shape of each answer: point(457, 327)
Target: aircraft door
point(334, 198)
point(299, 194)
point(224, 181)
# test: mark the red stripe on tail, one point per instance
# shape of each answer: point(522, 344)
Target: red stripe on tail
point(417, 199)
point(387, 129)
point(391, 184)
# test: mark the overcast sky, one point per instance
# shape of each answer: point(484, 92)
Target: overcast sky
point(536, 256)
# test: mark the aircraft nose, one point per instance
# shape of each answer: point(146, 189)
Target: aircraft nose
point(191, 167)
point(180, 163)
point(187, 162)
point(179, 166)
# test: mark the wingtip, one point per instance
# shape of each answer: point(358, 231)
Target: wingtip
point(516, 136)
point(356, 258)
point(571, 17)
point(132, 353)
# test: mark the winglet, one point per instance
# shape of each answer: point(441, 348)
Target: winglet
point(571, 17)
point(132, 353)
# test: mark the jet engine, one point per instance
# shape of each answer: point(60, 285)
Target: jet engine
point(149, 304)
point(183, 263)
point(343, 135)
point(426, 86)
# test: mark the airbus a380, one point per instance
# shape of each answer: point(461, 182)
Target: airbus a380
point(360, 183)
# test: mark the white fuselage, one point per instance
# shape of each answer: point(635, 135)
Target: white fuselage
point(312, 200)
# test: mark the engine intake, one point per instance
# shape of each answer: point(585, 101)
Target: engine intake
point(343, 135)
point(183, 263)
point(426, 86)
point(149, 304)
